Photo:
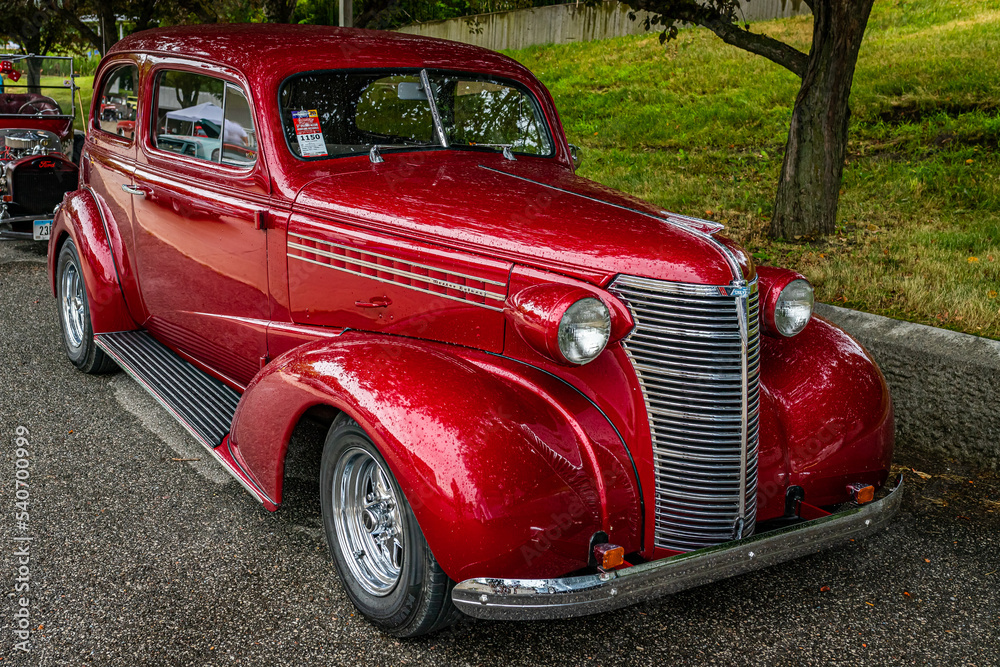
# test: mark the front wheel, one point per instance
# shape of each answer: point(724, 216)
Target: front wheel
point(379, 550)
point(74, 314)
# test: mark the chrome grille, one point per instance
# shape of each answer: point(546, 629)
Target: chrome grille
point(700, 384)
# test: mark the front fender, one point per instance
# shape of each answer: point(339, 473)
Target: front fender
point(508, 469)
point(831, 412)
point(79, 218)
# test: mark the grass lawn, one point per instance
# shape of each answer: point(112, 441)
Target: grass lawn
point(60, 92)
point(62, 96)
point(699, 128)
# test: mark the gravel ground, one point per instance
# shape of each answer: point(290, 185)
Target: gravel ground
point(139, 559)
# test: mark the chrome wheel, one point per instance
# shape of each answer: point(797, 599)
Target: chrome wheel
point(366, 515)
point(73, 305)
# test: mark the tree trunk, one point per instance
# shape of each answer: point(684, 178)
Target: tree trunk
point(809, 188)
point(33, 69)
point(31, 43)
point(279, 11)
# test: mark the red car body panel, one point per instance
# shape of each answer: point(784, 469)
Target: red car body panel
point(61, 127)
point(521, 487)
point(82, 220)
point(511, 460)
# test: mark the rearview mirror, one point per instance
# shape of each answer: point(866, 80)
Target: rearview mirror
point(411, 90)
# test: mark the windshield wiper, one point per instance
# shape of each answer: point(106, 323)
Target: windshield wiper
point(375, 153)
point(508, 149)
point(425, 79)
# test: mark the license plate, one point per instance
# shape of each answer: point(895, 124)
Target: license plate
point(41, 229)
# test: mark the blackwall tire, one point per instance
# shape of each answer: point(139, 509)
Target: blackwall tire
point(395, 581)
point(74, 314)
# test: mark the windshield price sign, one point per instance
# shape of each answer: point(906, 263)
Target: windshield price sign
point(308, 133)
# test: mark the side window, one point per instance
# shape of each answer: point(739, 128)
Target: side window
point(117, 102)
point(203, 117)
point(239, 140)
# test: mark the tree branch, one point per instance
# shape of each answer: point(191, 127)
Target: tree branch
point(69, 14)
point(722, 18)
point(774, 50)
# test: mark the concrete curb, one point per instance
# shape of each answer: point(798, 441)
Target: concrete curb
point(945, 385)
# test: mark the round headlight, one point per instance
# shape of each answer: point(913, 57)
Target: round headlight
point(584, 330)
point(793, 308)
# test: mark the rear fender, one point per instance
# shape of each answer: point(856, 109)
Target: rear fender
point(79, 218)
point(508, 470)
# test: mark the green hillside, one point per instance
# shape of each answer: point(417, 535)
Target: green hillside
point(699, 127)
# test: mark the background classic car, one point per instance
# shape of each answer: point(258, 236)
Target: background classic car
point(38, 147)
point(544, 398)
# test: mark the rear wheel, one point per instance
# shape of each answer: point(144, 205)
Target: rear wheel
point(74, 314)
point(379, 550)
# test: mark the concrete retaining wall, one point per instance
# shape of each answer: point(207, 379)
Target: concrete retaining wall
point(945, 385)
point(559, 24)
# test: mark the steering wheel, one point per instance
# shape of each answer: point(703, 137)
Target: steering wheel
point(39, 108)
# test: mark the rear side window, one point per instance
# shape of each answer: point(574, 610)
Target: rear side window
point(117, 102)
point(205, 118)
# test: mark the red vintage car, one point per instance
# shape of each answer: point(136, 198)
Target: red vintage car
point(38, 147)
point(543, 398)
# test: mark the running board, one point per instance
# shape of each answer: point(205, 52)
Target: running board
point(203, 405)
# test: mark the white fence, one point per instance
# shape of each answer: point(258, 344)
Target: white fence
point(559, 24)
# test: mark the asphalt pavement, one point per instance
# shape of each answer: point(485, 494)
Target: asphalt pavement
point(139, 555)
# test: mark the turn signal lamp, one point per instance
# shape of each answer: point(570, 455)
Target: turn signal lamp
point(609, 556)
point(862, 494)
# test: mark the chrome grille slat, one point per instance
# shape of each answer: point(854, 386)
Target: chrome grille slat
point(700, 385)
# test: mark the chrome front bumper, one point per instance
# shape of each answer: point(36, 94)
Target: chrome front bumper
point(536, 599)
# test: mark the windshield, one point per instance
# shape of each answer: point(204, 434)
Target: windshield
point(336, 113)
point(40, 86)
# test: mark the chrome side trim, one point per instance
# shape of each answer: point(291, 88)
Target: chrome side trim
point(395, 259)
point(392, 282)
point(568, 597)
point(399, 272)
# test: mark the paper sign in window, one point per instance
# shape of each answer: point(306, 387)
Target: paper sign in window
point(308, 133)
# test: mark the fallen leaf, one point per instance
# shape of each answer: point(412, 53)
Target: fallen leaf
point(921, 475)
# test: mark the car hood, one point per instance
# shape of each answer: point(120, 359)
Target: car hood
point(527, 211)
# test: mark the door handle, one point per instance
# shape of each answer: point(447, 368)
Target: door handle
point(374, 302)
point(136, 190)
